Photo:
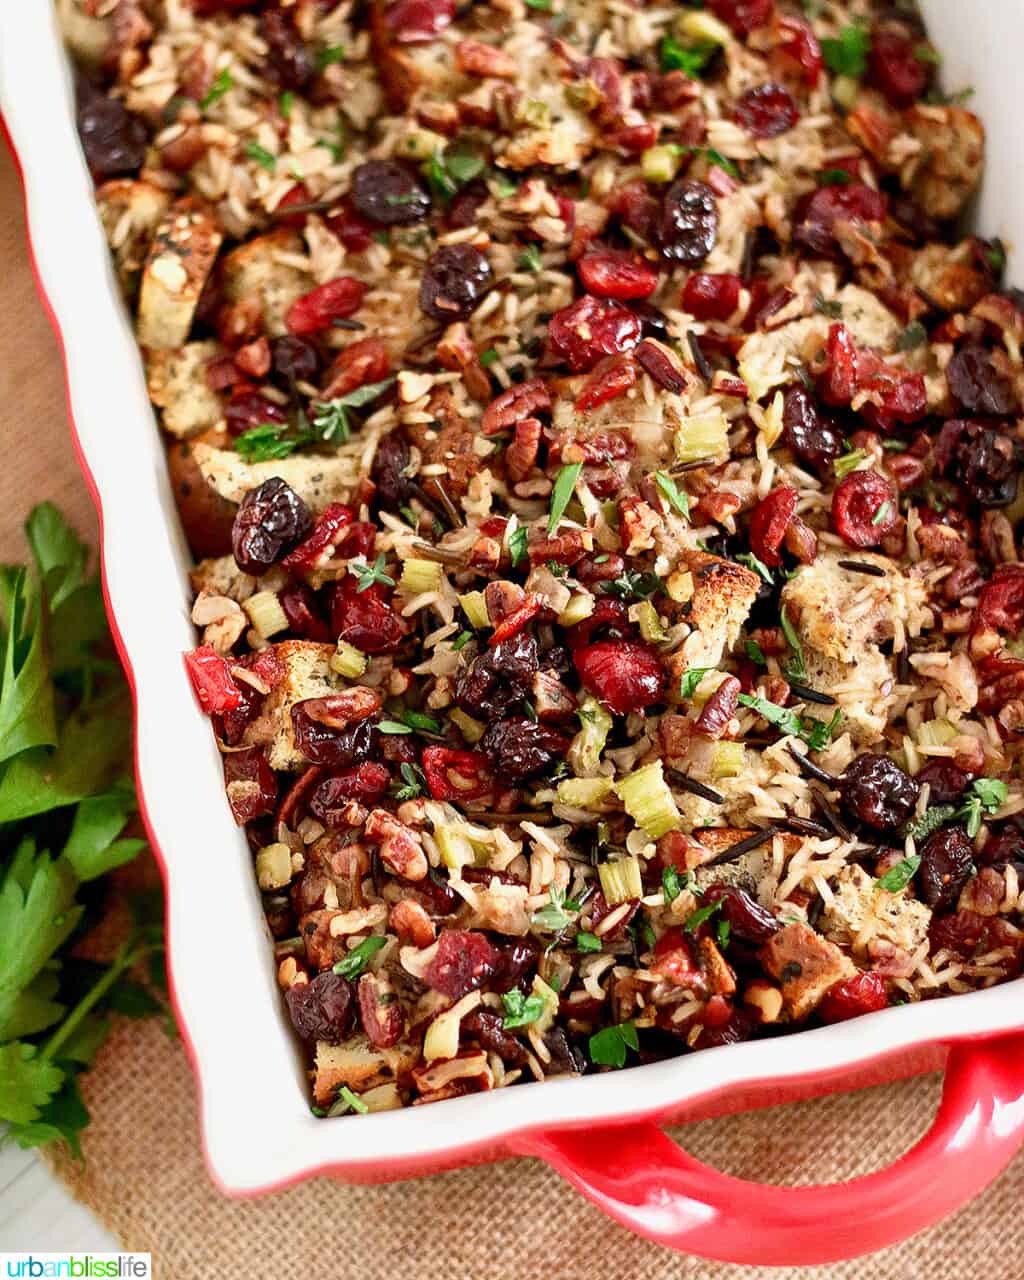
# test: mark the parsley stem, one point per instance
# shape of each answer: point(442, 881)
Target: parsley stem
point(128, 954)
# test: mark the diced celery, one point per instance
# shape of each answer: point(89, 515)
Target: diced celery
point(472, 730)
point(845, 90)
point(706, 435)
point(660, 164)
point(274, 866)
point(421, 144)
point(580, 606)
point(265, 614)
point(620, 880)
point(348, 661)
point(456, 849)
point(727, 760)
point(700, 25)
point(474, 606)
point(935, 733)
point(648, 801)
point(419, 576)
point(650, 623)
point(584, 793)
point(586, 748)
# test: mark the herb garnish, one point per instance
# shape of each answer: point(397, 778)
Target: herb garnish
point(530, 259)
point(690, 679)
point(816, 733)
point(368, 574)
point(847, 55)
point(898, 877)
point(352, 965)
point(264, 158)
point(759, 567)
point(521, 1010)
point(413, 780)
point(221, 85)
point(608, 1046)
point(677, 57)
point(588, 942)
point(330, 417)
point(564, 488)
point(670, 886)
point(678, 499)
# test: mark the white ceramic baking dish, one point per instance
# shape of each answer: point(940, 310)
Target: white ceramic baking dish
point(600, 1131)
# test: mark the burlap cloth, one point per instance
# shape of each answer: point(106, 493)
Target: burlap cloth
point(144, 1176)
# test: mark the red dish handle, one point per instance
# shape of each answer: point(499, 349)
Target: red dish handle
point(640, 1177)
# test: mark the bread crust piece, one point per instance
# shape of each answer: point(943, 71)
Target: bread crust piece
point(317, 480)
point(257, 272)
point(176, 380)
point(805, 965)
point(723, 593)
point(185, 246)
point(358, 1065)
point(143, 205)
point(205, 516)
point(306, 673)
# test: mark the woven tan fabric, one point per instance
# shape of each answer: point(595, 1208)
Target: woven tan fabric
point(144, 1175)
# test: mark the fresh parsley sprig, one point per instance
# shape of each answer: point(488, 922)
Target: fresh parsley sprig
point(816, 733)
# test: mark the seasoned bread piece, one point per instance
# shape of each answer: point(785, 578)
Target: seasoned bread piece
point(185, 245)
point(130, 210)
point(177, 386)
point(318, 481)
point(805, 965)
point(359, 1065)
point(954, 155)
point(221, 576)
point(307, 674)
point(723, 592)
point(856, 901)
point(205, 516)
point(257, 272)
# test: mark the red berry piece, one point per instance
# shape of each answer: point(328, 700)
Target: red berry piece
point(818, 214)
point(893, 65)
point(766, 111)
point(863, 993)
point(457, 775)
point(590, 329)
point(464, 960)
point(365, 619)
point(864, 508)
point(418, 21)
point(250, 784)
point(613, 273)
point(330, 528)
point(742, 16)
point(712, 297)
point(798, 41)
point(769, 523)
point(1001, 600)
point(624, 675)
point(212, 680)
point(318, 309)
point(609, 380)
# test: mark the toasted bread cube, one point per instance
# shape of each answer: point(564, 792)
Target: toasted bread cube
point(178, 387)
point(358, 1065)
point(805, 965)
point(856, 901)
point(318, 481)
point(258, 272)
point(221, 576)
point(181, 257)
point(723, 593)
point(307, 674)
point(130, 211)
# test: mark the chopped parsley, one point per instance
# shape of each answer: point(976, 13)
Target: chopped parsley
point(587, 942)
point(504, 185)
point(261, 156)
point(882, 513)
point(530, 259)
point(285, 103)
point(816, 733)
point(461, 640)
point(553, 915)
point(330, 417)
point(830, 307)
point(368, 574)
point(756, 654)
point(488, 358)
point(608, 1046)
point(722, 931)
point(413, 782)
point(759, 567)
point(393, 727)
point(925, 53)
point(545, 5)
point(564, 488)
point(221, 85)
point(690, 679)
point(269, 441)
point(834, 178)
point(521, 1010)
point(670, 885)
point(984, 797)
point(517, 540)
point(359, 957)
point(697, 918)
point(452, 168)
point(633, 585)
point(847, 54)
point(848, 462)
point(677, 57)
point(678, 500)
point(796, 669)
point(914, 335)
point(327, 57)
point(898, 877)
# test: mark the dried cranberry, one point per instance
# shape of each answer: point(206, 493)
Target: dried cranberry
point(814, 438)
point(712, 297)
point(742, 16)
point(687, 226)
point(1001, 600)
point(418, 21)
point(610, 618)
point(233, 721)
point(366, 783)
point(464, 960)
point(818, 214)
point(113, 139)
point(517, 959)
point(387, 194)
point(487, 1029)
point(613, 273)
point(365, 619)
point(454, 282)
point(499, 679)
point(590, 329)
point(947, 860)
point(520, 748)
point(330, 529)
point(748, 920)
point(981, 458)
point(769, 522)
point(566, 1058)
point(336, 748)
point(465, 207)
point(318, 309)
point(293, 360)
point(354, 232)
point(864, 508)
point(798, 41)
point(270, 521)
point(960, 932)
point(610, 379)
point(290, 63)
point(212, 681)
point(946, 782)
point(675, 962)
point(323, 1009)
point(250, 784)
point(740, 1024)
point(456, 775)
point(877, 792)
point(303, 614)
point(895, 68)
point(766, 110)
point(624, 675)
point(976, 383)
point(1005, 844)
point(863, 993)
point(248, 409)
